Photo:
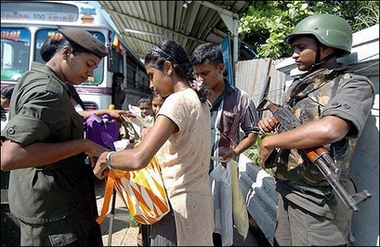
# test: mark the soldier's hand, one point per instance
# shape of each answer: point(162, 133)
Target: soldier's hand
point(266, 125)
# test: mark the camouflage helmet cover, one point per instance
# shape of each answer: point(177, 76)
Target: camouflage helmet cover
point(331, 30)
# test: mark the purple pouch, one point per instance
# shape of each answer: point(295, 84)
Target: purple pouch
point(102, 130)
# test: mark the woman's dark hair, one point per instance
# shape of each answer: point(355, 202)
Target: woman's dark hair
point(7, 92)
point(52, 46)
point(173, 51)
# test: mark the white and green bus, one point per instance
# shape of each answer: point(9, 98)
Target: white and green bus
point(25, 25)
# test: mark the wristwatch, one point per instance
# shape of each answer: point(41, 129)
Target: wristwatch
point(108, 160)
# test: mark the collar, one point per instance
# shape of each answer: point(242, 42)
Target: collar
point(228, 89)
point(42, 68)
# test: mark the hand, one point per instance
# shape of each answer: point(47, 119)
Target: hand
point(264, 152)
point(119, 114)
point(266, 125)
point(100, 169)
point(94, 152)
point(230, 155)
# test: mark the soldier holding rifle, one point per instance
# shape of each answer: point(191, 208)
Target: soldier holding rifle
point(332, 106)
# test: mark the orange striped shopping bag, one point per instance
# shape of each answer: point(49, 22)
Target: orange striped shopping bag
point(142, 191)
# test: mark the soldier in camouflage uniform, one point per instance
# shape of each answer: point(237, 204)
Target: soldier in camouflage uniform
point(332, 106)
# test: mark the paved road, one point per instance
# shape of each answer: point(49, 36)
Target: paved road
point(124, 235)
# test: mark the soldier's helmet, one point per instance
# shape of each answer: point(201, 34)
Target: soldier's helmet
point(331, 30)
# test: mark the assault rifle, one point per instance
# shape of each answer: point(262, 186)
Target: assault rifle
point(285, 120)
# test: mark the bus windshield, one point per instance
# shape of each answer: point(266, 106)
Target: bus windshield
point(26, 25)
point(15, 52)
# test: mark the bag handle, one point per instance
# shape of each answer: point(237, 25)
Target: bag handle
point(107, 196)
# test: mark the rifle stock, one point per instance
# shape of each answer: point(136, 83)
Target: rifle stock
point(319, 156)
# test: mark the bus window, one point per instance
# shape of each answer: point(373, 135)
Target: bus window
point(99, 72)
point(43, 34)
point(143, 82)
point(15, 43)
point(131, 75)
point(115, 61)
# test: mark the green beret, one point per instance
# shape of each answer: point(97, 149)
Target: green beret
point(85, 40)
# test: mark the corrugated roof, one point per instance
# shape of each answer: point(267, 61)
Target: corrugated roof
point(164, 20)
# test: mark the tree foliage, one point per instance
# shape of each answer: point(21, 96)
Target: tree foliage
point(266, 23)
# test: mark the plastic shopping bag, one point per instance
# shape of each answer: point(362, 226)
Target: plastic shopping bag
point(239, 207)
point(222, 192)
point(225, 181)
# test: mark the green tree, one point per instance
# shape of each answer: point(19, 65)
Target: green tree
point(266, 23)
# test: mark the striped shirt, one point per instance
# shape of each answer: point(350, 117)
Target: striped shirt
point(233, 116)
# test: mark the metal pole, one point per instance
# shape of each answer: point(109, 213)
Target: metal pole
point(112, 216)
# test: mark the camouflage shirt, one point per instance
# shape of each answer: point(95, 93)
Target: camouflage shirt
point(326, 92)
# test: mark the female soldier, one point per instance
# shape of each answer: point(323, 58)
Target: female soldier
point(51, 188)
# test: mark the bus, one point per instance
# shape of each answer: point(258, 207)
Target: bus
point(25, 25)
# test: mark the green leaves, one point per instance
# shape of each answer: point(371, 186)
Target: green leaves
point(253, 153)
point(266, 23)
